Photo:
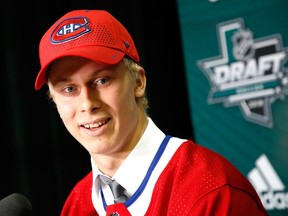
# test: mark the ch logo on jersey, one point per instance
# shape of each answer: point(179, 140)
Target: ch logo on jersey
point(70, 29)
point(249, 72)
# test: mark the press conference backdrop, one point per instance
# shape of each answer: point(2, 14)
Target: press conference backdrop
point(235, 55)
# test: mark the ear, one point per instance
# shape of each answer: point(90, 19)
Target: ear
point(140, 83)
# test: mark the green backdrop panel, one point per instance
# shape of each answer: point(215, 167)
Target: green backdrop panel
point(235, 55)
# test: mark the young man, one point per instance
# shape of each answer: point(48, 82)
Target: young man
point(91, 66)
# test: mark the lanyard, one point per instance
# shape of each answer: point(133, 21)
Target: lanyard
point(142, 186)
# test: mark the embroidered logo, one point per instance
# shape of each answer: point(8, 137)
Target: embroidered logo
point(70, 29)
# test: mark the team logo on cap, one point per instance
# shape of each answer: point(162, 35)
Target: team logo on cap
point(249, 73)
point(70, 29)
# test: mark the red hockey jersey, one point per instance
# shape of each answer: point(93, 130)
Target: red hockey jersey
point(195, 182)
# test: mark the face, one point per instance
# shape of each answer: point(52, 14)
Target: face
point(97, 104)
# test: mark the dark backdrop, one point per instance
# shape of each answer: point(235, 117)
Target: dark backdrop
point(39, 159)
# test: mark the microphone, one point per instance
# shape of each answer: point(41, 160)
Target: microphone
point(15, 205)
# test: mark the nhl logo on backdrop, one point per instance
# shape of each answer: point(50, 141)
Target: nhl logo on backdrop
point(248, 73)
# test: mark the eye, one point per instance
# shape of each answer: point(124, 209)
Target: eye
point(102, 82)
point(69, 89)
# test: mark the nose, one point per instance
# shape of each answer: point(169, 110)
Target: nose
point(89, 100)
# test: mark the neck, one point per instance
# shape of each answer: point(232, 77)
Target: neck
point(109, 164)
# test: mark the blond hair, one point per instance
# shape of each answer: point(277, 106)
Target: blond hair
point(134, 70)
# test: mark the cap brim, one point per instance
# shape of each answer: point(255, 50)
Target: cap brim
point(99, 54)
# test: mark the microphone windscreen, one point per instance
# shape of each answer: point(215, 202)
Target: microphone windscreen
point(15, 205)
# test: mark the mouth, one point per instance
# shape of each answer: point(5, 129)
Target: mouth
point(95, 125)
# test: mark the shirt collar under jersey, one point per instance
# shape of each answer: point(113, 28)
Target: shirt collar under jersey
point(138, 161)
